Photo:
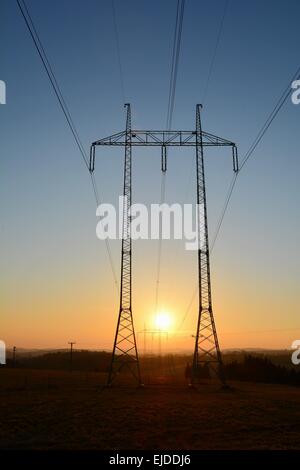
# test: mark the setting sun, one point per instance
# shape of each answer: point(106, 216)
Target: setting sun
point(163, 321)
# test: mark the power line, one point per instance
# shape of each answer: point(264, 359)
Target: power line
point(188, 309)
point(171, 101)
point(213, 59)
point(158, 267)
point(175, 60)
point(118, 50)
point(285, 95)
point(278, 106)
point(54, 83)
point(274, 330)
point(107, 245)
point(220, 221)
point(209, 75)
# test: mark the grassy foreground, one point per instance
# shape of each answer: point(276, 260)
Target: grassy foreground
point(59, 410)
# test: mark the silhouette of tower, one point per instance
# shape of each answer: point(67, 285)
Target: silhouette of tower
point(125, 354)
point(207, 355)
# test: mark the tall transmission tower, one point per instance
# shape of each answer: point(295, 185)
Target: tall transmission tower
point(125, 354)
point(207, 350)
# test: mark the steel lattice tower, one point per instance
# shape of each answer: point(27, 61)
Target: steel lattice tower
point(207, 351)
point(125, 352)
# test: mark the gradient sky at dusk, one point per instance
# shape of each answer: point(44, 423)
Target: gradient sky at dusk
point(56, 282)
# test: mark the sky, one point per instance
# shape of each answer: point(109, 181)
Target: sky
point(56, 279)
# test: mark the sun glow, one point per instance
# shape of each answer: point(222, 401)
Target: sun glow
point(163, 321)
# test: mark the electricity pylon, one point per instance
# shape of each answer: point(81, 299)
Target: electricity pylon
point(125, 354)
point(207, 350)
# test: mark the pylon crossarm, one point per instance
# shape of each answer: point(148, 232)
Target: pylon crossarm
point(163, 138)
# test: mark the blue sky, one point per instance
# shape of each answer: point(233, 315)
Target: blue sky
point(52, 261)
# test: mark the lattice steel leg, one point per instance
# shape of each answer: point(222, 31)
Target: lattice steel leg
point(125, 354)
point(207, 354)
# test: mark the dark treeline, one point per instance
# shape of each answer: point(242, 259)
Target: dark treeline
point(96, 361)
point(261, 369)
point(239, 366)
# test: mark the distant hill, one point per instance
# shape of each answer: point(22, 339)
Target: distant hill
point(60, 360)
point(260, 368)
point(257, 366)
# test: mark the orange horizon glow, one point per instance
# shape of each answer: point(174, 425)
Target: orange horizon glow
point(79, 301)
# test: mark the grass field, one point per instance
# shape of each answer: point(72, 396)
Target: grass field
point(60, 410)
